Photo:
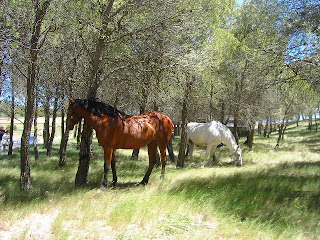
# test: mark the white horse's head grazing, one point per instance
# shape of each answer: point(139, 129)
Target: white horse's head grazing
point(237, 156)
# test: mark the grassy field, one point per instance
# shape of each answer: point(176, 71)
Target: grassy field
point(275, 195)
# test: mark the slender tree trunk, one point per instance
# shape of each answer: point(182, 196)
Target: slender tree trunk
point(310, 123)
point(281, 132)
point(298, 119)
point(63, 147)
point(260, 125)
point(35, 126)
point(270, 129)
point(222, 114)
point(170, 150)
point(79, 131)
point(184, 116)
point(235, 127)
point(211, 101)
point(10, 150)
point(64, 141)
point(62, 119)
point(265, 131)
point(75, 132)
point(53, 125)
point(25, 176)
point(250, 135)
point(46, 125)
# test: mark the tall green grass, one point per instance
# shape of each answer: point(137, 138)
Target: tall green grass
point(275, 195)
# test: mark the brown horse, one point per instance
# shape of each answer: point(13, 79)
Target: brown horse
point(115, 129)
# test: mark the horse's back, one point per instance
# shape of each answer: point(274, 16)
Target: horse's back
point(204, 133)
point(162, 124)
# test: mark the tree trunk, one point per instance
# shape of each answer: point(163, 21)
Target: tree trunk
point(184, 116)
point(93, 83)
point(40, 12)
point(79, 130)
point(260, 125)
point(211, 102)
point(35, 134)
point(235, 128)
point(250, 136)
point(46, 125)
point(10, 150)
point(62, 120)
point(310, 123)
point(170, 150)
point(270, 128)
point(222, 114)
point(53, 125)
point(75, 132)
point(64, 139)
point(63, 147)
point(281, 132)
point(85, 156)
point(265, 131)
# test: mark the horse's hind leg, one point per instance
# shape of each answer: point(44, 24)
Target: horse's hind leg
point(152, 149)
point(163, 160)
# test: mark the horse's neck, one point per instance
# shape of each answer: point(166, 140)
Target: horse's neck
point(90, 119)
point(231, 144)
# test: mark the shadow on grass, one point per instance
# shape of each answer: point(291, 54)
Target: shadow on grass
point(288, 194)
point(48, 179)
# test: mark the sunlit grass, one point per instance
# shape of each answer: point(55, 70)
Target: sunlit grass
point(275, 195)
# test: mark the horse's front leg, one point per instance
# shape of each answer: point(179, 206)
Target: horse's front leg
point(207, 156)
point(212, 155)
point(191, 147)
point(114, 171)
point(108, 152)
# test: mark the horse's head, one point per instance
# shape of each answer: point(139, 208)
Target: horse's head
point(73, 118)
point(237, 156)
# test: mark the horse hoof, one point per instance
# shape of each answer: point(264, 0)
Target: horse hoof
point(142, 183)
point(102, 188)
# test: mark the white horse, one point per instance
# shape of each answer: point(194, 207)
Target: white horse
point(211, 134)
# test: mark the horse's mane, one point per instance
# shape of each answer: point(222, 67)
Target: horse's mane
point(99, 108)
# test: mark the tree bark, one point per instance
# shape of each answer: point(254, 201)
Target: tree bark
point(184, 116)
point(235, 127)
point(46, 125)
point(10, 150)
point(265, 131)
point(85, 156)
point(40, 12)
point(170, 150)
point(53, 125)
point(64, 138)
point(35, 134)
point(250, 136)
point(63, 147)
point(79, 131)
point(281, 132)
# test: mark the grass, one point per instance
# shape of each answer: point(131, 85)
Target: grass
point(275, 195)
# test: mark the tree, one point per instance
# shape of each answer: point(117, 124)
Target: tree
point(36, 41)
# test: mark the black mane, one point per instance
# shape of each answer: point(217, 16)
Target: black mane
point(98, 108)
